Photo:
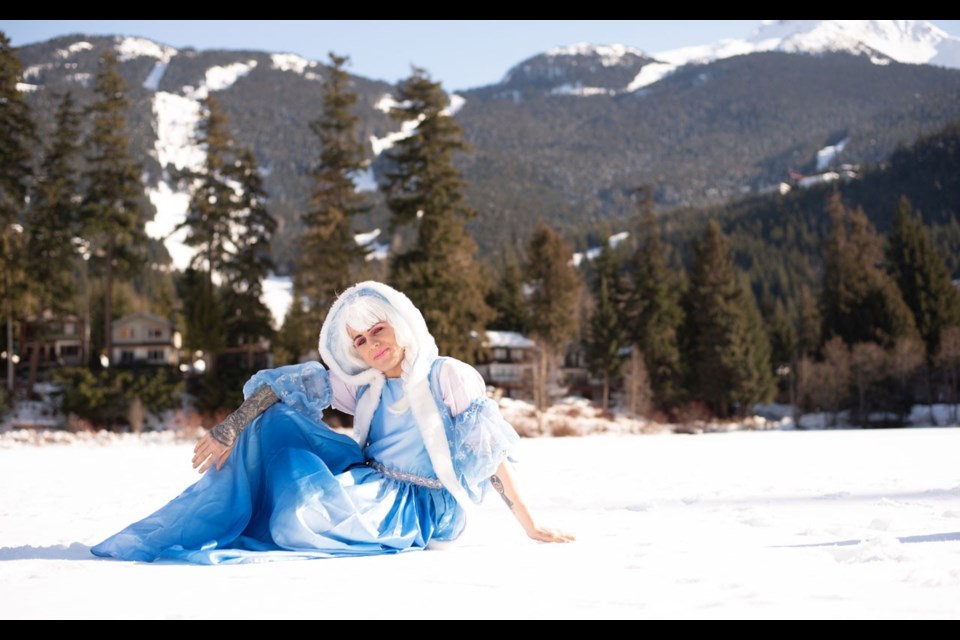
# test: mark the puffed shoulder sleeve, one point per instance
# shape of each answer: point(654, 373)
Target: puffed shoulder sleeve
point(305, 387)
point(480, 439)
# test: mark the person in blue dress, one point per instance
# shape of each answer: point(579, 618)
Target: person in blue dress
point(278, 483)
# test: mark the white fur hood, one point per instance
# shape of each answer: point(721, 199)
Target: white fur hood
point(336, 350)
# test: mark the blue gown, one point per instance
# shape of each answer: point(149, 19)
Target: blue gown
point(293, 488)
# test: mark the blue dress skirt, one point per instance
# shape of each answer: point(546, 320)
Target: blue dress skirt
point(293, 488)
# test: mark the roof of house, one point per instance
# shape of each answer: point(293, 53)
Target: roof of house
point(143, 315)
point(509, 339)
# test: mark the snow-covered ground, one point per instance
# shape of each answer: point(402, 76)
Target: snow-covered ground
point(776, 523)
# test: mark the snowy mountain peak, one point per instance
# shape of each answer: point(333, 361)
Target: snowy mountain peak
point(883, 41)
point(609, 55)
point(908, 41)
point(580, 69)
point(129, 48)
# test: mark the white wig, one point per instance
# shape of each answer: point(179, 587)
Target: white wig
point(359, 308)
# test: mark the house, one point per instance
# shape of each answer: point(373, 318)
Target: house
point(59, 340)
point(144, 338)
point(250, 356)
point(509, 363)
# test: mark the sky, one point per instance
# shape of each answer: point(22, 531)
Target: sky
point(774, 524)
point(460, 54)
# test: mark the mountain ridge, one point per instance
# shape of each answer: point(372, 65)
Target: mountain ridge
point(703, 134)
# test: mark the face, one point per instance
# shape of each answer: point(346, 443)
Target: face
point(378, 348)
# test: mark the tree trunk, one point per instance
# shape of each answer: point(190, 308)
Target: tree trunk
point(606, 392)
point(34, 366)
point(108, 302)
point(10, 370)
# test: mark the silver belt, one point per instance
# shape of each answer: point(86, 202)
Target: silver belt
point(393, 474)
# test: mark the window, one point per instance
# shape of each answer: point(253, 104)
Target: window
point(499, 353)
point(69, 329)
point(502, 374)
point(154, 332)
point(126, 333)
point(155, 355)
point(126, 357)
point(69, 351)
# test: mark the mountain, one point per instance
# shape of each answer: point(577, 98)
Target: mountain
point(882, 41)
point(566, 136)
point(586, 69)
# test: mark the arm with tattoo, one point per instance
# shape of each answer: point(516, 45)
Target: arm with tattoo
point(227, 431)
point(504, 484)
point(498, 486)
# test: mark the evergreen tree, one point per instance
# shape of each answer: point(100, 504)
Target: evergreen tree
point(205, 329)
point(297, 335)
point(553, 318)
point(212, 195)
point(783, 337)
point(112, 218)
point(425, 191)
point(860, 302)
point(507, 300)
point(229, 225)
point(730, 351)
point(53, 219)
point(251, 261)
point(809, 323)
point(17, 135)
point(653, 311)
point(327, 246)
point(606, 337)
point(921, 274)
point(53, 222)
point(948, 359)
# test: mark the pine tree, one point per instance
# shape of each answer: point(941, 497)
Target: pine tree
point(53, 222)
point(606, 336)
point(211, 193)
point(298, 334)
point(553, 318)
point(860, 302)
point(809, 323)
point(17, 135)
point(327, 247)
point(783, 337)
point(923, 278)
point(425, 191)
point(53, 219)
point(112, 218)
point(730, 351)
point(507, 300)
point(653, 311)
point(206, 329)
point(229, 225)
point(251, 261)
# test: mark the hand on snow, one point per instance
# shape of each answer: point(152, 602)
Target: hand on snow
point(542, 534)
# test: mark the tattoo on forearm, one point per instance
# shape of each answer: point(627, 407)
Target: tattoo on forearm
point(498, 485)
point(226, 432)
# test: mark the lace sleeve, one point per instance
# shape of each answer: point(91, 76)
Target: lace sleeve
point(480, 441)
point(304, 387)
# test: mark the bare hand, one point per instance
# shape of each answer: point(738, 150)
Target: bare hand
point(208, 451)
point(542, 534)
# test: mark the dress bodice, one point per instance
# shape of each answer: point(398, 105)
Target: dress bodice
point(395, 440)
